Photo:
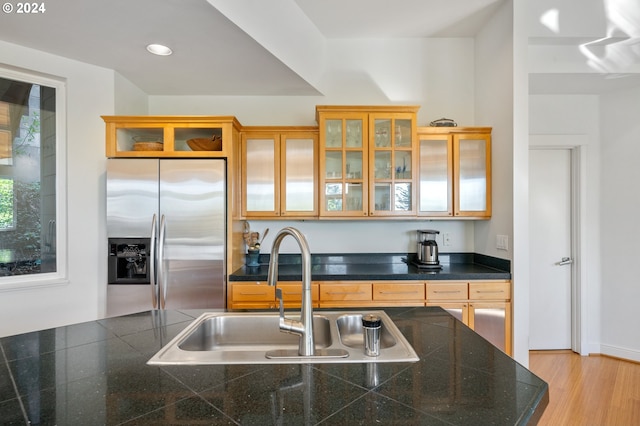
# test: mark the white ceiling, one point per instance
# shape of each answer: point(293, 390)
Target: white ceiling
point(221, 47)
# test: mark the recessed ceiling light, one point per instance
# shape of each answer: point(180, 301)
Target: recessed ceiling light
point(159, 49)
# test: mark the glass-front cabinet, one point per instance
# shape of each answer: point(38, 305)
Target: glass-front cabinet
point(366, 161)
point(472, 174)
point(392, 164)
point(279, 172)
point(436, 174)
point(170, 136)
point(454, 172)
point(343, 164)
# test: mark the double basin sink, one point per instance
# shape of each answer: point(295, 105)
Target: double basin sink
point(255, 338)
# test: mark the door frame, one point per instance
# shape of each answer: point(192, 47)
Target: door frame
point(578, 234)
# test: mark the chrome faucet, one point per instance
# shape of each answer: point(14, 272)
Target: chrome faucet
point(304, 327)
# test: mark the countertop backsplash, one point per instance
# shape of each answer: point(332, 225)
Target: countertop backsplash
point(366, 236)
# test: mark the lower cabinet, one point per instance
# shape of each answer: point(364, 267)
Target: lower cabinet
point(485, 306)
point(259, 295)
point(252, 295)
point(292, 294)
point(340, 294)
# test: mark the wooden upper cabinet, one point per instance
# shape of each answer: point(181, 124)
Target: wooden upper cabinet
point(472, 175)
point(170, 136)
point(367, 160)
point(279, 172)
point(454, 172)
point(392, 164)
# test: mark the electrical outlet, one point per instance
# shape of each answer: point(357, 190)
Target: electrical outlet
point(502, 242)
point(446, 239)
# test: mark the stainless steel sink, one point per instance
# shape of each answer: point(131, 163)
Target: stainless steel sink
point(255, 338)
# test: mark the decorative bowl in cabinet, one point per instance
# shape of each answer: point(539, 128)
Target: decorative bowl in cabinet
point(206, 144)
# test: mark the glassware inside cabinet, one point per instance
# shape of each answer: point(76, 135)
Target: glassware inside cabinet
point(333, 133)
point(382, 129)
point(402, 165)
point(382, 197)
point(333, 166)
point(382, 165)
point(354, 164)
point(140, 139)
point(353, 196)
point(198, 139)
point(354, 134)
point(402, 133)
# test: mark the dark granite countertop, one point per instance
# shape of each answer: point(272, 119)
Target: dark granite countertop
point(95, 373)
point(327, 267)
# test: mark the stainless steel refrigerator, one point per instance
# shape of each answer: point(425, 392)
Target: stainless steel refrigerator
point(166, 228)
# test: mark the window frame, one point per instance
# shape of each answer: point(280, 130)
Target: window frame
point(60, 276)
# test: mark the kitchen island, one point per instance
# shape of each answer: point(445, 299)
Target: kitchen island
point(95, 373)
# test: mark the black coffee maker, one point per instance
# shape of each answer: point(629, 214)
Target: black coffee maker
point(427, 249)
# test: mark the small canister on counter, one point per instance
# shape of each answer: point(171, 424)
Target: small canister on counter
point(371, 324)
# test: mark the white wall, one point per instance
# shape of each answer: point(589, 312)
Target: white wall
point(436, 74)
point(367, 236)
point(620, 226)
point(129, 99)
point(495, 106)
point(90, 93)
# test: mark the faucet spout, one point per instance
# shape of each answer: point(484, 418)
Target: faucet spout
point(304, 327)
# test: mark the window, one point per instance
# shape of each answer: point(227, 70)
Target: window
point(28, 175)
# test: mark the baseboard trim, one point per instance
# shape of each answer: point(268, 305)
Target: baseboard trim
point(621, 353)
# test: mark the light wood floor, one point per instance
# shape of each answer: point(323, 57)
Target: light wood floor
point(588, 391)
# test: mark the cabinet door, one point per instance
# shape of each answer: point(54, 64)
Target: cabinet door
point(252, 295)
point(279, 170)
point(392, 164)
point(345, 294)
point(343, 164)
point(446, 291)
point(299, 173)
point(292, 294)
point(260, 174)
point(436, 175)
point(459, 310)
point(492, 320)
point(398, 293)
point(472, 175)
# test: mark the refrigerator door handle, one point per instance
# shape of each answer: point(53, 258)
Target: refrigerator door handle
point(162, 282)
point(152, 263)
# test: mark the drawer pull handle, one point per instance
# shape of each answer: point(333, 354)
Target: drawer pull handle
point(398, 292)
point(252, 294)
point(447, 291)
point(292, 293)
point(489, 291)
point(346, 292)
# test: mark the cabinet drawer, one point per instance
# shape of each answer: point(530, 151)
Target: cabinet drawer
point(347, 292)
point(257, 292)
point(447, 291)
point(490, 291)
point(411, 292)
point(292, 291)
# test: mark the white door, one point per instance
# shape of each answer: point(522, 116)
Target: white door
point(550, 248)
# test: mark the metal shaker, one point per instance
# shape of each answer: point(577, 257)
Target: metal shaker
point(371, 325)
